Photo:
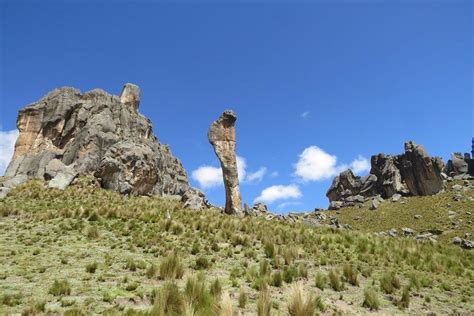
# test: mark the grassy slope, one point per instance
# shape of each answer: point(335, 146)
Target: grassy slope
point(433, 209)
point(48, 235)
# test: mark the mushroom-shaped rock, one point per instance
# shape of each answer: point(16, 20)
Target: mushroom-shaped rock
point(222, 138)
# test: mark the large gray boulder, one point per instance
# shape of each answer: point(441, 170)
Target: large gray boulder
point(221, 135)
point(69, 133)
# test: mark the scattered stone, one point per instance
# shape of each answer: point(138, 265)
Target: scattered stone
point(62, 180)
point(335, 205)
point(467, 244)
point(452, 213)
point(374, 204)
point(418, 216)
point(393, 232)
point(194, 199)
point(408, 231)
point(424, 236)
point(436, 231)
point(457, 187)
point(457, 240)
point(396, 197)
point(467, 235)
point(222, 138)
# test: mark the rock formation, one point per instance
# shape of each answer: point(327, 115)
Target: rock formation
point(421, 173)
point(68, 133)
point(411, 173)
point(222, 138)
point(460, 166)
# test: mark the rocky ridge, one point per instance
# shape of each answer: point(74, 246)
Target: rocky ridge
point(410, 174)
point(68, 133)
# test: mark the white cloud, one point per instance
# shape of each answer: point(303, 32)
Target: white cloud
point(360, 165)
point(274, 174)
point(207, 176)
point(279, 192)
point(210, 176)
point(7, 146)
point(315, 164)
point(241, 166)
point(305, 114)
point(257, 176)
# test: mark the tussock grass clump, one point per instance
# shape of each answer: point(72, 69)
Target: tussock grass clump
point(389, 282)
point(335, 281)
point(277, 279)
point(269, 249)
point(404, 301)
point(216, 288)
point(91, 267)
point(196, 293)
point(151, 271)
point(299, 302)
point(92, 232)
point(351, 275)
point(10, 299)
point(60, 287)
point(202, 263)
point(242, 299)
point(321, 280)
point(171, 267)
point(264, 302)
point(168, 301)
point(226, 307)
point(371, 299)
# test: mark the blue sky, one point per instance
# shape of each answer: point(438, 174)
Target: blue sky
point(309, 81)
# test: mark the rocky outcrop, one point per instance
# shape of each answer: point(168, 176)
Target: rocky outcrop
point(460, 166)
point(411, 173)
point(69, 133)
point(420, 172)
point(221, 135)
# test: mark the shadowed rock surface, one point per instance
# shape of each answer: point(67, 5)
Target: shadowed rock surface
point(221, 135)
point(411, 173)
point(68, 133)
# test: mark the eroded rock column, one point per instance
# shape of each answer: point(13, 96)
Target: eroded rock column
point(222, 138)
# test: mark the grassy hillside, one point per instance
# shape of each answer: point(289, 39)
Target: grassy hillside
point(421, 213)
point(88, 251)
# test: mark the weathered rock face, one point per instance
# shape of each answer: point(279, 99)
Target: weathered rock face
point(460, 166)
point(222, 138)
point(388, 176)
point(348, 189)
point(421, 173)
point(411, 173)
point(68, 133)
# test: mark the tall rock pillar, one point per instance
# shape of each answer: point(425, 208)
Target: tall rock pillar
point(222, 138)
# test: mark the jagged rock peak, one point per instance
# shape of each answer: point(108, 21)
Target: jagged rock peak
point(131, 96)
point(67, 133)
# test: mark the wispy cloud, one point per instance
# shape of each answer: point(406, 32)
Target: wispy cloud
point(305, 115)
point(315, 164)
point(279, 192)
point(7, 146)
point(257, 176)
point(274, 174)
